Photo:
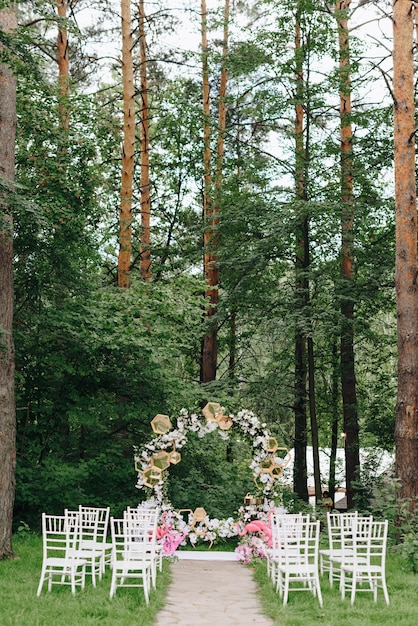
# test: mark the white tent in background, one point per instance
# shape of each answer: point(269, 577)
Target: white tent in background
point(382, 462)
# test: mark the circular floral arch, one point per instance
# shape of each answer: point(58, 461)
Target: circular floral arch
point(153, 461)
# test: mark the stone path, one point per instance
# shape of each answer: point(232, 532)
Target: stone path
point(211, 591)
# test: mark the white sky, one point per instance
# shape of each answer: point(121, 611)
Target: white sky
point(369, 22)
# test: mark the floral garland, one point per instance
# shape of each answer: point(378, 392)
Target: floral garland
point(176, 439)
point(178, 529)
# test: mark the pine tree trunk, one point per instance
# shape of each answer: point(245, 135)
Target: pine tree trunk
point(307, 307)
point(348, 378)
point(8, 22)
point(209, 343)
point(313, 419)
point(232, 346)
point(406, 274)
point(221, 119)
point(125, 217)
point(300, 471)
point(334, 420)
point(145, 263)
point(212, 207)
point(63, 65)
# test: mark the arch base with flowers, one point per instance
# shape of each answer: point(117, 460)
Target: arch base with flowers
point(153, 461)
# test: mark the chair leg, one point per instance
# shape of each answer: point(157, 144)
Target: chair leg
point(113, 583)
point(331, 574)
point(375, 585)
point(342, 583)
point(41, 582)
point(72, 577)
point(146, 581)
point(83, 577)
point(285, 589)
point(353, 588)
point(385, 591)
point(317, 588)
point(102, 565)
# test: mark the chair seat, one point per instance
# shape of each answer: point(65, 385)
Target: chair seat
point(371, 569)
point(328, 552)
point(298, 569)
point(66, 563)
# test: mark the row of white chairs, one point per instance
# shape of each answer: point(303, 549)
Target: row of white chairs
point(355, 556)
point(72, 543)
point(136, 555)
point(77, 543)
point(292, 561)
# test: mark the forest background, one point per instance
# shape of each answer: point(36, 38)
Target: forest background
point(97, 359)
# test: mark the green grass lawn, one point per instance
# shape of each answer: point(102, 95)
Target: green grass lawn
point(19, 605)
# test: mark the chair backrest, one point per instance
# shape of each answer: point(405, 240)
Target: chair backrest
point(291, 531)
point(61, 535)
point(95, 517)
point(279, 522)
point(312, 542)
point(141, 523)
point(300, 545)
point(355, 538)
point(142, 514)
point(378, 536)
point(335, 524)
point(292, 525)
point(87, 525)
point(129, 540)
point(287, 519)
point(139, 512)
point(272, 521)
point(117, 531)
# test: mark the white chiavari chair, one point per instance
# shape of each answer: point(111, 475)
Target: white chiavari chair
point(136, 518)
point(274, 552)
point(99, 517)
point(366, 571)
point(61, 562)
point(335, 523)
point(87, 545)
point(353, 531)
point(131, 566)
point(298, 569)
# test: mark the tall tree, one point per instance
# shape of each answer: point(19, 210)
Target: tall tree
point(300, 477)
point(220, 151)
point(210, 264)
point(63, 63)
point(145, 263)
point(406, 274)
point(210, 342)
point(348, 378)
point(305, 362)
point(335, 377)
point(128, 150)
point(8, 23)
